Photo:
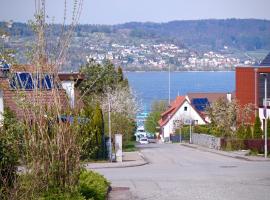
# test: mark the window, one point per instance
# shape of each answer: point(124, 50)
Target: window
point(185, 108)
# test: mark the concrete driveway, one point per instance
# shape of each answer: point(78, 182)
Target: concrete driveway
point(176, 172)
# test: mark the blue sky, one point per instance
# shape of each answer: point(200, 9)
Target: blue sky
point(119, 11)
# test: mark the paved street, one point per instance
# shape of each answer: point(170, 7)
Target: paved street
point(176, 172)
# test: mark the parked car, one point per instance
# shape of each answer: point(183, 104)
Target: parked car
point(151, 139)
point(143, 140)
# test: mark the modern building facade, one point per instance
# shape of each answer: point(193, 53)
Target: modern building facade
point(250, 86)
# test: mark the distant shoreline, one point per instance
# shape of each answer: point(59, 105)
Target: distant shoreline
point(179, 71)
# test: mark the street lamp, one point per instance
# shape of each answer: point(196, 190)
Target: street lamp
point(265, 113)
point(110, 129)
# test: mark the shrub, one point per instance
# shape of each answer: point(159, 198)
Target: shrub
point(201, 129)
point(248, 132)
point(257, 133)
point(9, 153)
point(93, 185)
point(8, 162)
point(57, 194)
point(241, 132)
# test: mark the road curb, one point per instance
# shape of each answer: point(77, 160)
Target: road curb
point(119, 165)
point(227, 154)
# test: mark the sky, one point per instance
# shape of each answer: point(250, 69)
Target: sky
point(121, 11)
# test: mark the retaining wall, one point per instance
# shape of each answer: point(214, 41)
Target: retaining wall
point(205, 140)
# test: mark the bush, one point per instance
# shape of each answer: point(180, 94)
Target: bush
point(185, 132)
point(56, 194)
point(9, 153)
point(233, 144)
point(8, 162)
point(257, 133)
point(241, 132)
point(215, 131)
point(93, 185)
point(202, 129)
point(129, 146)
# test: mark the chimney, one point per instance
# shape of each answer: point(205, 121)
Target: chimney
point(229, 97)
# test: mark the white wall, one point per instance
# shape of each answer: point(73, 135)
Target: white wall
point(1, 107)
point(69, 87)
point(183, 115)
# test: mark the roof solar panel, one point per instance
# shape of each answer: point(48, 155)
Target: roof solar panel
point(266, 61)
point(200, 104)
point(4, 65)
point(25, 80)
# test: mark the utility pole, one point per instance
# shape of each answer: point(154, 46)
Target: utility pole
point(110, 129)
point(265, 113)
point(265, 122)
point(169, 84)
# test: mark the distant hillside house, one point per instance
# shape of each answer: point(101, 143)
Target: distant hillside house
point(250, 87)
point(16, 78)
point(179, 112)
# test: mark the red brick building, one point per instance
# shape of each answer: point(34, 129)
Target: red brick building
point(250, 81)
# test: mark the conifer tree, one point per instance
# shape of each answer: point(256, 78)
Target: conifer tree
point(248, 132)
point(257, 133)
point(98, 128)
point(268, 128)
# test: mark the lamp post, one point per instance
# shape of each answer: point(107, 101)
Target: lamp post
point(110, 130)
point(265, 114)
point(169, 85)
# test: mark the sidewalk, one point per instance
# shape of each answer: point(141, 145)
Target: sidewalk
point(130, 159)
point(233, 154)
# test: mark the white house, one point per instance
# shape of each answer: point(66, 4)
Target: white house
point(180, 111)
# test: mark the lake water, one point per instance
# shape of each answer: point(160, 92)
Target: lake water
point(150, 86)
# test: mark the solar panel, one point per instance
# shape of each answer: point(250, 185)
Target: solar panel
point(4, 65)
point(200, 104)
point(48, 81)
point(13, 81)
point(25, 80)
point(266, 61)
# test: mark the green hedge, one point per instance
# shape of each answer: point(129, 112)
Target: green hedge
point(93, 185)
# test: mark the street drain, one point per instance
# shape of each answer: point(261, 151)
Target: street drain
point(228, 166)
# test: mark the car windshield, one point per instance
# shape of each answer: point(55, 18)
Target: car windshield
point(143, 139)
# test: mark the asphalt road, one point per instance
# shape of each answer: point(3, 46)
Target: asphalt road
point(176, 172)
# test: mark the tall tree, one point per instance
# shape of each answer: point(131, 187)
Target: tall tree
point(98, 128)
point(158, 107)
point(257, 133)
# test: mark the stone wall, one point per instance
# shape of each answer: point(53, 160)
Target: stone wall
point(209, 141)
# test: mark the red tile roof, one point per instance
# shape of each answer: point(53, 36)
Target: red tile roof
point(174, 106)
point(11, 96)
point(212, 97)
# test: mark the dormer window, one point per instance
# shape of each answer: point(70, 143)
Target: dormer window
point(185, 108)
